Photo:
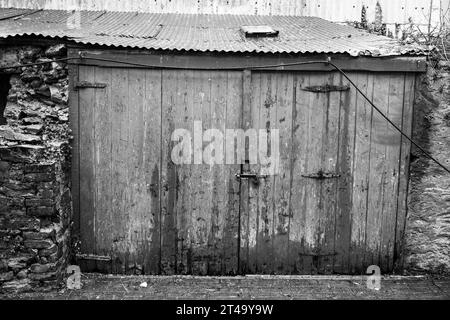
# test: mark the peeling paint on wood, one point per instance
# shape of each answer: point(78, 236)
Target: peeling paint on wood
point(154, 217)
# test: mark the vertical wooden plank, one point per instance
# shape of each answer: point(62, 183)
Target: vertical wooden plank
point(119, 167)
point(139, 218)
point(254, 187)
point(378, 172)
point(169, 178)
point(151, 165)
point(405, 155)
point(134, 128)
point(393, 141)
point(220, 175)
point(244, 238)
point(218, 185)
point(263, 191)
point(201, 178)
point(183, 96)
point(282, 188)
point(127, 245)
point(314, 233)
point(361, 173)
point(330, 163)
point(103, 157)
point(231, 214)
point(345, 183)
point(87, 154)
point(75, 127)
point(301, 263)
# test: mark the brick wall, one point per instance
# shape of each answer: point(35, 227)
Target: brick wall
point(35, 199)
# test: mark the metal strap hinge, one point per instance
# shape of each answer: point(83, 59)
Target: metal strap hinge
point(326, 88)
point(87, 84)
point(250, 176)
point(321, 175)
point(93, 257)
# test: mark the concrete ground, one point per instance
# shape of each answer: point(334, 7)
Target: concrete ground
point(105, 287)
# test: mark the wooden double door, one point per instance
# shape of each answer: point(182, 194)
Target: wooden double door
point(336, 203)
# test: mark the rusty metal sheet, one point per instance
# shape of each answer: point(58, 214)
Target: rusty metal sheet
point(201, 33)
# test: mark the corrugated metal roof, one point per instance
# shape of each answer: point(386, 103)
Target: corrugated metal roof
point(204, 33)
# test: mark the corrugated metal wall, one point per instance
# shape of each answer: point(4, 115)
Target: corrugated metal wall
point(394, 11)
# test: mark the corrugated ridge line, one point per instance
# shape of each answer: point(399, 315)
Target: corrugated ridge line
point(201, 32)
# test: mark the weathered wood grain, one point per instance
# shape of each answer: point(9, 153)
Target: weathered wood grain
point(203, 192)
point(329, 163)
point(234, 62)
point(220, 176)
point(87, 168)
point(246, 242)
point(103, 159)
point(183, 94)
point(151, 167)
point(285, 103)
point(169, 175)
point(200, 178)
point(402, 206)
point(315, 233)
point(136, 220)
point(378, 175)
point(393, 141)
point(75, 127)
point(153, 216)
point(346, 159)
point(361, 165)
point(300, 262)
point(119, 141)
point(231, 223)
point(262, 216)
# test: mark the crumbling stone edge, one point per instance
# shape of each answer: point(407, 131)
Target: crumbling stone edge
point(427, 240)
point(35, 197)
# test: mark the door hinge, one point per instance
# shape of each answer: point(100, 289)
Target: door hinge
point(93, 257)
point(321, 175)
point(87, 84)
point(326, 88)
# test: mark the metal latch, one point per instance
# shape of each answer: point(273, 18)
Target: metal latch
point(326, 88)
point(250, 176)
point(321, 175)
point(87, 84)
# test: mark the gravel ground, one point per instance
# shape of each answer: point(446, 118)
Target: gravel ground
point(108, 287)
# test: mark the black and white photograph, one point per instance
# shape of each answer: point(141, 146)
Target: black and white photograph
point(224, 154)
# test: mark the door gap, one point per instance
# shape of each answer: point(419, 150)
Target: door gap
point(5, 86)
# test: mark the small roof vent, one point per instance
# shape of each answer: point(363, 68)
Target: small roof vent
point(259, 31)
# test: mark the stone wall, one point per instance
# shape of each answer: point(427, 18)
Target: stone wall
point(427, 241)
point(35, 198)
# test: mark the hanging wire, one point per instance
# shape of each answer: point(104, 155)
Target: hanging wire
point(256, 67)
point(389, 120)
